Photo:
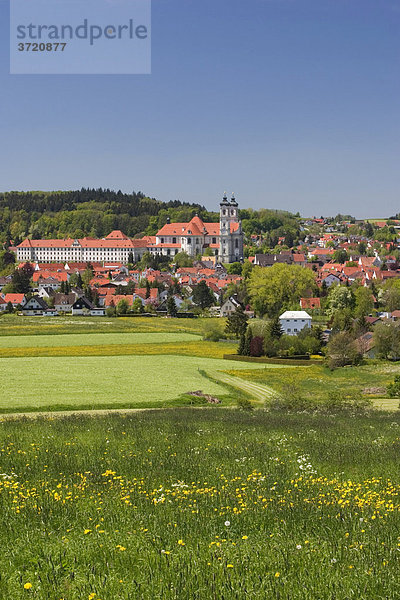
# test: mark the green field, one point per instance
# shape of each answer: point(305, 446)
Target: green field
point(17, 325)
point(104, 382)
point(316, 382)
point(190, 505)
point(93, 339)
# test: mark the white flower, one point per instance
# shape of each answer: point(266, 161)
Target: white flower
point(298, 546)
point(227, 523)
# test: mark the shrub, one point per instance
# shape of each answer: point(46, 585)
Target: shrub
point(350, 402)
point(342, 350)
point(244, 404)
point(290, 398)
point(393, 389)
point(256, 346)
point(213, 331)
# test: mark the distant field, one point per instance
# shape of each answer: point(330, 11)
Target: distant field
point(93, 339)
point(200, 505)
point(21, 325)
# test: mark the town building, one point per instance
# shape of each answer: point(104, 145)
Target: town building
point(224, 239)
point(294, 321)
point(116, 247)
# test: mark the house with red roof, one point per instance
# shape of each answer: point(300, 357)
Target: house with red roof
point(15, 299)
point(310, 303)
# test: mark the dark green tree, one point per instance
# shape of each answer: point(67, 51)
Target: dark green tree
point(171, 307)
point(241, 344)
point(202, 295)
point(236, 323)
point(276, 330)
point(21, 279)
point(340, 256)
point(247, 342)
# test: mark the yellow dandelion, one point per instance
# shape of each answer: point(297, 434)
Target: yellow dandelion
point(277, 574)
point(181, 543)
point(229, 566)
point(27, 585)
point(245, 537)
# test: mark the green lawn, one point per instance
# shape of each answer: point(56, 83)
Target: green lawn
point(197, 505)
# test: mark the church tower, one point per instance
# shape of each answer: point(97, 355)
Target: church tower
point(231, 237)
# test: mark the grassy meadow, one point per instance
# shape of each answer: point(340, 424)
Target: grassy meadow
point(90, 382)
point(188, 504)
point(316, 382)
point(16, 325)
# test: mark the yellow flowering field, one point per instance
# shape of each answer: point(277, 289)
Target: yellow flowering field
point(198, 504)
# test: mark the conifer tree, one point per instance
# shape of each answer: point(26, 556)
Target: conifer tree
point(276, 330)
point(247, 342)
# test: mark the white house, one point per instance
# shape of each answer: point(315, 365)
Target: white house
point(229, 307)
point(293, 321)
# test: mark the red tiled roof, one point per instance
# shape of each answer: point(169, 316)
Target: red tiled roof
point(194, 227)
point(14, 298)
point(310, 303)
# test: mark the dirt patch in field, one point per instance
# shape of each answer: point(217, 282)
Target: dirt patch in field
point(374, 390)
point(210, 399)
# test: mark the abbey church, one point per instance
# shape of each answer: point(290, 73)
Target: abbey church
point(225, 239)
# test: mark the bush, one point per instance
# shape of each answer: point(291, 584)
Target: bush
point(290, 399)
point(393, 389)
point(256, 346)
point(244, 404)
point(351, 402)
point(213, 332)
point(342, 350)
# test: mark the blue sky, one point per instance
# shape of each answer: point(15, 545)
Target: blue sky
point(291, 104)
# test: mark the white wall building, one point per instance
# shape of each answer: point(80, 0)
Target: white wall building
point(293, 321)
point(116, 247)
point(224, 239)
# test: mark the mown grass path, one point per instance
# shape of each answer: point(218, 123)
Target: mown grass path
point(256, 390)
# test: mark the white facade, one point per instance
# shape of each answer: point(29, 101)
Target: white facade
point(294, 321)
point(116, 247)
